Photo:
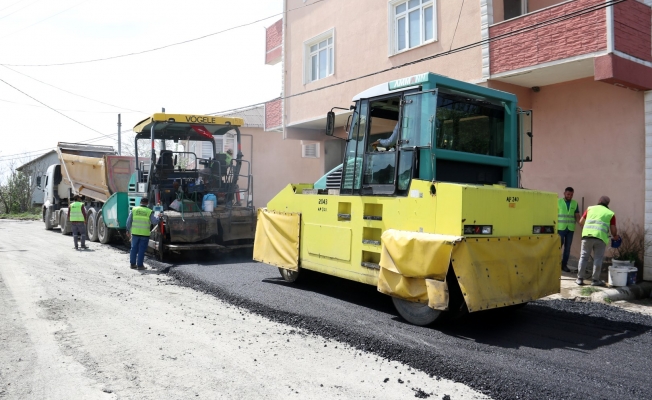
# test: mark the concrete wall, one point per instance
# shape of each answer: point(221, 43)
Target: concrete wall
point(277, 163)
point(361, 47)
point(591, 136)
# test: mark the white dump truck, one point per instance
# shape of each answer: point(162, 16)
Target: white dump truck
point(91, 171)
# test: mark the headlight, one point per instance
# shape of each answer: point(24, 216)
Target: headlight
point(539, 229)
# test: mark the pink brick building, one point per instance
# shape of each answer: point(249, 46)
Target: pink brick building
point(583, 66)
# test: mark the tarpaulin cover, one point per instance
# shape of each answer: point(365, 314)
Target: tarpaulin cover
point(496, 272)
point(277, 238)
point(408, 258)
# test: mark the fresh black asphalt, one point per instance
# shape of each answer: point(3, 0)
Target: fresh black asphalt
point(557, 349)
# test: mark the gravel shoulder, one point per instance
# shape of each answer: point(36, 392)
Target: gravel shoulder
point(83, 325)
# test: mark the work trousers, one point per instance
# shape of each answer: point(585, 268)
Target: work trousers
point(566, 241)
point(597, 246)
point(78, 228)
point(138, 248)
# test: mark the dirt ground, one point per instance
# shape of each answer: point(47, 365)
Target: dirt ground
point(83, 325)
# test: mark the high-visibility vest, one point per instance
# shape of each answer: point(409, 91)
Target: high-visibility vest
point(566, 216)
point(598, 220)
point(140, 221)
point(76, 214)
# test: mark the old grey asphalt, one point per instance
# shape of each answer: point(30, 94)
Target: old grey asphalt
point(551, 349)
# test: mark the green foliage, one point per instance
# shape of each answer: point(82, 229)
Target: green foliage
point(588, 290)
point(634, 245)
point(608, 300)
point(15, 193)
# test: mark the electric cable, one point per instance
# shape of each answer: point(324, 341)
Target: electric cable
point(161, 47)
point(12, 13)
point(61, 109)
point(11, 5)
point(74, 94)
point(44, 19)
point(58, 112)
point(482, 42)
point(456, 25)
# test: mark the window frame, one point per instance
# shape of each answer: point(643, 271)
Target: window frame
point(307, 55)
point(393, 26)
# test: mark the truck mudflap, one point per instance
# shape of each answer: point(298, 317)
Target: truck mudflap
point(277, 238)
point(492, 272)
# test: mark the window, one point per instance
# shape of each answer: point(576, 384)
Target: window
point(514, 8)
point(319, 57)
point(413, 24)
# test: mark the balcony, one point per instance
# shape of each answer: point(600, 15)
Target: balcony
point(558, 41)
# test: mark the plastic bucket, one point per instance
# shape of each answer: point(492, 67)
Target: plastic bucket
point(618, 275)
point(631, 276)
point(209, 205)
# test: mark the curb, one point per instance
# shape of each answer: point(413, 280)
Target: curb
point(634, 292)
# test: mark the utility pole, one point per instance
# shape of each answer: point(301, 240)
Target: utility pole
point(119, 136)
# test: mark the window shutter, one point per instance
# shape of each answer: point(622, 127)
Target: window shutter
point(206, 150)
point(310, 150)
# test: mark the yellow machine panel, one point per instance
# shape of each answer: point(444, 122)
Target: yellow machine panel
point(406, 245)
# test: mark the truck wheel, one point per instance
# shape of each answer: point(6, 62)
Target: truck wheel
point(289, 275)
point(91, 226)
point(416, 313)
point(63, 224)
point(103, 232)
point(47, 218)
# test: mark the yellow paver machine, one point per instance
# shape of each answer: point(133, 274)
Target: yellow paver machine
point(426, 205)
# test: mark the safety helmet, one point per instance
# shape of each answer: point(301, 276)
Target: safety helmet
point(616, 243)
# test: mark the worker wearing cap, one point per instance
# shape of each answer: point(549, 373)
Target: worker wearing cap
point(138, 228)
point(568, 216)
point(229, 156)
point(597, 222)
point(77, 219)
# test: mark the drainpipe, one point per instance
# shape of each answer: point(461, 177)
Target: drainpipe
point(285, 17)
point(647, 259)
point(610, 28)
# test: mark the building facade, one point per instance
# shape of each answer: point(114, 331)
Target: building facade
point(36, 170)
point(583, 66)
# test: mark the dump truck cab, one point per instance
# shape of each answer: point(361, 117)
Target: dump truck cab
point(178, 181)
point(427, 206)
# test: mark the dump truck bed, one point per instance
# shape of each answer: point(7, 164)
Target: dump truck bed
point(94, 171)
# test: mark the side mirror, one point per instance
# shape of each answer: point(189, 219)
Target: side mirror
point(524, 137)
point(38, 182)
point(330, 123)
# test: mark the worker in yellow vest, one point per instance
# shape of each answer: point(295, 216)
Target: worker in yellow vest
point(568, 215)
point(139, 222)
point(597, 221)
point(77, 219)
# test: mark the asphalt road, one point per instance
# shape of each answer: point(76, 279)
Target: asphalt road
point(550, 349)
point(83, 325)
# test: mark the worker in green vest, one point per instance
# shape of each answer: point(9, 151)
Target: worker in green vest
point(77, 219)
point(597, 221)
point(139, 222)
point(568, 215)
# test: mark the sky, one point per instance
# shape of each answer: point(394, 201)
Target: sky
point(216, 73)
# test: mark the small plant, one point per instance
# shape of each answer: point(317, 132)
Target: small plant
point(588, 290)
point(608, 300)
point(634, 244)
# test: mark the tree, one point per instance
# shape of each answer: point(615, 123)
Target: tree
point(15, 190)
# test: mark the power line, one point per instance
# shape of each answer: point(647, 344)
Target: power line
point(5, 16)
point(551, 21)
point(44, 19)
point(38, 153)
point(61, 109)
point(69, 92)
point(161, 47)
point(11, 5)
point(58, 112)
point(456, 25)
